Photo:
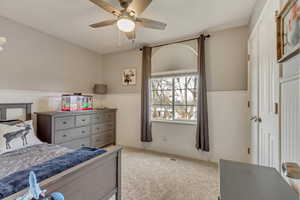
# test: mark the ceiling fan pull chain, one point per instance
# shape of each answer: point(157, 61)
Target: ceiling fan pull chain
point(120, 38)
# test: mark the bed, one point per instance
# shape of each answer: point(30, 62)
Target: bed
point(96, 178)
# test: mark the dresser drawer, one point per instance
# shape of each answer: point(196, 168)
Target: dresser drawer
point(71, 134)
point(64, 123)
point(96, 119)
point(97, 128)
point(108, 117)
point(102, 139)
point(83, 120)
point(76, 144)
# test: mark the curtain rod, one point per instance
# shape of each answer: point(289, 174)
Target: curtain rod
point(176, 42)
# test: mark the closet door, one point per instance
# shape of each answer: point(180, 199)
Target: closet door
point(253, 87)
point(268, 90)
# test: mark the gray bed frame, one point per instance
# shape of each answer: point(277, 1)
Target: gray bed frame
point(96, 179)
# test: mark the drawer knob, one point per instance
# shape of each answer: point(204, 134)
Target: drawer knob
point(83, 120)
point(64, 122)
point(82, 131)
point(65, 135)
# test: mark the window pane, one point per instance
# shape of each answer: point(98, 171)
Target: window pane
point(156, 97)
point(191, 82)
point(179, 83)
point(180, 113)
point(156, 84)
point(162, 113)
point(191, 96)
point(191, 113)
point(180, 98)
point(167, 83)
point(167, 97)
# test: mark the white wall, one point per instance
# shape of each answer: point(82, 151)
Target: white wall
point(227, 99)
point(228, 126)
point(32, 60)
point(289, 101)
point(259, 5)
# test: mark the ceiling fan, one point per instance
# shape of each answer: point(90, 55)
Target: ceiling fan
point(127, 19)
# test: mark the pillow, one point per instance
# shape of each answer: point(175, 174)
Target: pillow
point(13, 137)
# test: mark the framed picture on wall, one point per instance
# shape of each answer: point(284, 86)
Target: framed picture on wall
point(288, 31)
point(129, 77)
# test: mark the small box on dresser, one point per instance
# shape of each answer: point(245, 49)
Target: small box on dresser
point(96, 128)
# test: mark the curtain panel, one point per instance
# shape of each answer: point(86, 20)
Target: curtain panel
point(146, 126)
point(202, 134)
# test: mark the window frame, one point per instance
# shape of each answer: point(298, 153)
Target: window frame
point(173, 105)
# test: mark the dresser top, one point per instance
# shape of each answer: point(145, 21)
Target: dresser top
point(241, 181)
point(68, 113)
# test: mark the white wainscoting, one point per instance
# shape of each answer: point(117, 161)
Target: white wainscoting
point(228, 123)
point(290, 124)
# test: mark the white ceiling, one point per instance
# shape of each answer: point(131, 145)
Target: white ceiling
point(70, 19)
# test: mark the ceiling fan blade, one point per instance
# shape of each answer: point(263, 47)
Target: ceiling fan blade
point(130, 35)
point(149, 23)
point(106, 6)
point(139, 6)
point(104, 23)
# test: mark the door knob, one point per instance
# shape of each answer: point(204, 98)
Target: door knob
point(259, 120)
point(253, 119)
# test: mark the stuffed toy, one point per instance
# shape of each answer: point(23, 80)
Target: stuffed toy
point(36, 193)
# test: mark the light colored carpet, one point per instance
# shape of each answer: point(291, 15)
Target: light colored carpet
point(153, 176)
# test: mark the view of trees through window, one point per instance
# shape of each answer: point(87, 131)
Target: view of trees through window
point(174, 98)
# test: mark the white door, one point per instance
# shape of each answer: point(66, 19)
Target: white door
point(253, 87)
point(268, 90)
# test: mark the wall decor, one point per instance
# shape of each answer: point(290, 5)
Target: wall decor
point(129, 77)
point(288, 31)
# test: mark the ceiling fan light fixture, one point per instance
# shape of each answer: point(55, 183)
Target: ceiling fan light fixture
point(126, 25)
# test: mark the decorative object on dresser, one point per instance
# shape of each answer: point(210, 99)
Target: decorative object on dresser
point(76, 102)
point(100, 89)
point(95, 128)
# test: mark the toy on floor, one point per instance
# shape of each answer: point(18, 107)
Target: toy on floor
point(36, 193)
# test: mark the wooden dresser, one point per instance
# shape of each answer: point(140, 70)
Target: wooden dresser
point(95, 128)
point(240, 181)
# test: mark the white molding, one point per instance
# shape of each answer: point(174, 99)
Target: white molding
point(261, 16)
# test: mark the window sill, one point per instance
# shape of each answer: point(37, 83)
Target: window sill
point(175, 122)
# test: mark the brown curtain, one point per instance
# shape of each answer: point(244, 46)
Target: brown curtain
point(146, 133)
point(202, 136)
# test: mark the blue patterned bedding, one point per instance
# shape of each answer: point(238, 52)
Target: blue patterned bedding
point(18, 181)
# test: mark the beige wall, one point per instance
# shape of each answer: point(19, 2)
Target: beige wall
point(226, 63)
point(227, 66)
point(32, 60)
point(226, 60)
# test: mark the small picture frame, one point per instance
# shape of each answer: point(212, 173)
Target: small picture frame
point(288, 31)
point(129, 77)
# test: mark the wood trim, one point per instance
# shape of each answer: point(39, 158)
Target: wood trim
point(26, 106)
point(281, 56)
point(71, 175)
